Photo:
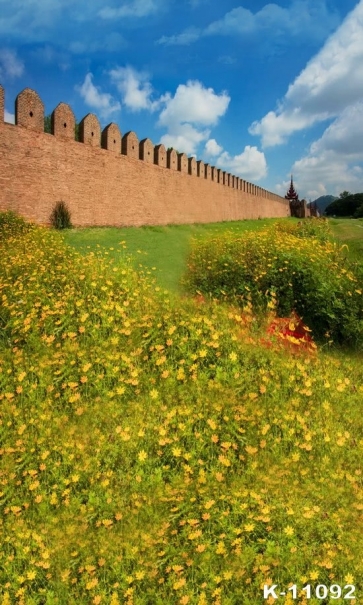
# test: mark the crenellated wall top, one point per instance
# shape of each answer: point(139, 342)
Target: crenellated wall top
point(29, 113)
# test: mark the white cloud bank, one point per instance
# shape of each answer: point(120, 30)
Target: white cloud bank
point(101, 101)
point(302, 18)
point(250, 164)
point(10, 65)
point(331, 81)
point(9, 117)
point(335, 161)
point(137, 8)
point(188, 113)
point(135, 88)
point(329, 88)
point(212, 148)
point(187, 116)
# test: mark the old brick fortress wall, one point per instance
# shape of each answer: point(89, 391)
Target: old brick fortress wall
point(107, 179)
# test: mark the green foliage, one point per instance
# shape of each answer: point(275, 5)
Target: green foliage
point(346, 205)
point(173, 149)
point(318, 228)
point(161, 249)
point(11, 224)
point(48, 124)
point(61, 216)
point(359, 212)
point(308, 275)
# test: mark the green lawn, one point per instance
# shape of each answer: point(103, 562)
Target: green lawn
point(349, 231)
point(165, 248)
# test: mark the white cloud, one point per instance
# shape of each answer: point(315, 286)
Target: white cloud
point(274, 128)
point(137, 8)
point(302, 18)
point(331, 81)
point(185, 115)
point(250, 164)
point(135, 88)
point(329, 173)
point(10, 65)
point(101, 101)
point(212, 148)
point(9, 117)
point(345, 135)
point(194, 103)
point(192, 108)
point(335, 161)
point(191, 34)
point(185, 138)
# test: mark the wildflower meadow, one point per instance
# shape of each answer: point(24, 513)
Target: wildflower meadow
point(157, 450)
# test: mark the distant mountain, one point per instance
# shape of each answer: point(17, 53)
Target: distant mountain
point(323, 201)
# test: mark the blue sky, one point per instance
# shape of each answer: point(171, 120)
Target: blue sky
point(260, 90)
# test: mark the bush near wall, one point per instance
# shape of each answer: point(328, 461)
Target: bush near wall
point(308, 275)
point(61, 216)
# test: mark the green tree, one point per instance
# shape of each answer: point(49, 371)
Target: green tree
point(48, 124)
point(344, 194)
point(61, 216)
point(345, 206)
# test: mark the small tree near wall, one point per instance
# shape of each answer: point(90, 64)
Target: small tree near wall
point(61, 216)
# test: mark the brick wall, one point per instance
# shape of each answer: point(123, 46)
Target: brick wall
point(112, 185)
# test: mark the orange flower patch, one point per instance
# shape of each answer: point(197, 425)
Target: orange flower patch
point(291, 332)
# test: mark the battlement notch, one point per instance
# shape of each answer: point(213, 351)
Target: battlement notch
point(29, 110)
point(90, 130)
point(111, 138)
point(172, 159)
point(130, 145)
point(192, 166)
point(63, 122)
point(160, 155)
point(182, 163)
point(147, 151)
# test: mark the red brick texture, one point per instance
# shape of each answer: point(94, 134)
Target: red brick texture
point(90, 130)
point(147, 151)
point(105, 187)
point(2, 104)
point(29, 110)
point(111, 138)
point(160, 155)
point(63, 122)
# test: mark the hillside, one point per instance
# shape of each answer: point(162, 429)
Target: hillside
point(323, 201)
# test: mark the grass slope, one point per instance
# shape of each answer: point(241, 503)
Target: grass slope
point(350, 232)
point(165, 248)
